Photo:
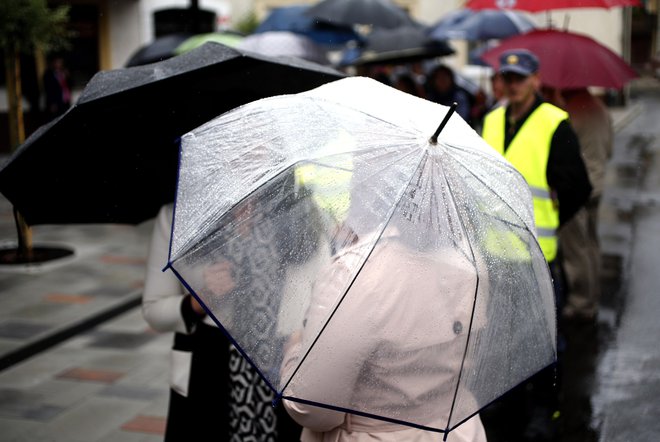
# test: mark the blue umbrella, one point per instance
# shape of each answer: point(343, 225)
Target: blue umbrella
point(293, 19)
point(485, 24)
point(450, 20)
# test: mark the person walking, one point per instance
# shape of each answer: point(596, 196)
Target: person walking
point(539, 141)
point(214, 392)
point(57, 86)
point(578, 239)
point(441, 88)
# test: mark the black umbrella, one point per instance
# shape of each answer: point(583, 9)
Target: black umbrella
point(170, 45)
point(295, 19)
point(405, 44)
point(112, 158)
point(378, 13)
point(159, 49)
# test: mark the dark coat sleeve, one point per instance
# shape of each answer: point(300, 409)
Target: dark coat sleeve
point(567, 173)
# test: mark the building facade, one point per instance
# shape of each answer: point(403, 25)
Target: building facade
point(108, 32)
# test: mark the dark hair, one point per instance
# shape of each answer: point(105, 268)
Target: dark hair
point(445, 69)
point(408, 81)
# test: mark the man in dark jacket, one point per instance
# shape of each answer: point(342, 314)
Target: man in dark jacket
point(538, 139)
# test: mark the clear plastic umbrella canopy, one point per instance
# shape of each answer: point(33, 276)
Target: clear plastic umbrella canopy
point(359, 264)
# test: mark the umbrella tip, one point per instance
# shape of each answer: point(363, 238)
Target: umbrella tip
point(434, 137)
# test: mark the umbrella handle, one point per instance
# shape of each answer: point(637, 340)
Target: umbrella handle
point(434, 138)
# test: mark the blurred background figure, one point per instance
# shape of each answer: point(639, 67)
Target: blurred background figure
point(405, 83)
point(491, 101)
point(57, 86)
point(441, 88)
point(540, 142)
point(497, 97)
point(213, 389)
point(404, 80)
point(578, 239)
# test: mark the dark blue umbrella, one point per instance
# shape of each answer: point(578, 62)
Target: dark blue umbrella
point(485, 24)
point(294, 19)
point(474, 56)
point(450, 20)
point(377, 13)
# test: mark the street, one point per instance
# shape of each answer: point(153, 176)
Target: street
point(626, 383)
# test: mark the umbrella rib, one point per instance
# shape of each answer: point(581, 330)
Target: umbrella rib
point(189, 246)
point(211, 315)
point(362, 413)
point(497, 194)
point(422, 160)
point(474, 303)
point(447, 429)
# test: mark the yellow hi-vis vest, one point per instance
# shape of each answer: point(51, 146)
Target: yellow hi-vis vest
point(330, 187)
point(528, 153)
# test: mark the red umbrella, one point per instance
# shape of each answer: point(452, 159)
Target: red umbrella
point(546, 5)
point(568, 60)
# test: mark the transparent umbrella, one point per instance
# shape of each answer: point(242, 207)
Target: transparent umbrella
point(362, 260)
point(285, 44)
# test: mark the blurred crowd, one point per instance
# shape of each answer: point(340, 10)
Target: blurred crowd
point(441, 83)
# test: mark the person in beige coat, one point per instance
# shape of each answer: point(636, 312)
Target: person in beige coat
point(578, 238)
point(395, 374)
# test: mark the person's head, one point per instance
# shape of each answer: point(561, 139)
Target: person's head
point(442, 79)
point(553, 96)
point(56, 61)
point(497, 86)
point(519, 70)
point(406, 83)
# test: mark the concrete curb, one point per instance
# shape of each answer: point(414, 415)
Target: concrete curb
point(623, 118)
point(61, 334)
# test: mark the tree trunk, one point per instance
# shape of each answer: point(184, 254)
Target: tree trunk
point(16, 137)
point(14, 99)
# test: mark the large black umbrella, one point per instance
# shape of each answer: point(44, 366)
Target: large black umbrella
point(378, 13)
point(112, 158)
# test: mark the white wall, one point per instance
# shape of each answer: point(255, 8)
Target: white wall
point(125, 23)
point(604, 26)
point(131, 23)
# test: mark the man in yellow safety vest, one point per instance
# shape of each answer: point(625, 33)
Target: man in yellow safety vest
point(537, 138)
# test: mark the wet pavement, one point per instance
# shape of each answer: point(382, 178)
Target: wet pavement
point(626, 399)
point(78, 362)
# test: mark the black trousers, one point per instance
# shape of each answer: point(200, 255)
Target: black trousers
point(204, 413)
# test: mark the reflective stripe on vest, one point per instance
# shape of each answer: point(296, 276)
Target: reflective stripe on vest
point(532, 163)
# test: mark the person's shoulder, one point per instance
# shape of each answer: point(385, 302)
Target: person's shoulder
point(463, 94)
point(552, 110)
point(497, 108)
point(165, 214)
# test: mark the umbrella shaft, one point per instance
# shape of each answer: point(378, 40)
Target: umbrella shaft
point(452, 108)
